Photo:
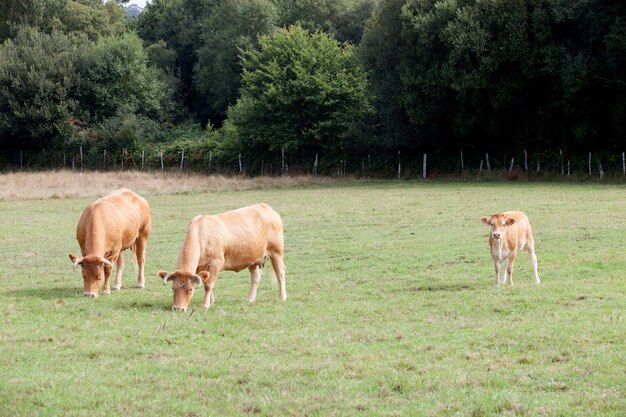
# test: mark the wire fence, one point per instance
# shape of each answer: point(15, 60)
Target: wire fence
point(399, 164)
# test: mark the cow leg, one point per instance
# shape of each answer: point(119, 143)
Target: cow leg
point(118, 273)
point(509, 269)
point(533, 261)
point(107, 276)
point(505, 267)
point(255, 278)
point(214, 270)
point(496, 264)
point(279, 269)
point(140, 254)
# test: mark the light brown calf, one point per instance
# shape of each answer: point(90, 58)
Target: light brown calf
point(510, 232)
point(230, 241)
point(112, 224)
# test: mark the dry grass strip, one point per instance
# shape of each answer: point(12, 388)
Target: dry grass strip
point(69, 184)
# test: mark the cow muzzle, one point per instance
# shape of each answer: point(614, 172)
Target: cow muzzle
point(91, 294)
point(174, 308)
point(496, 235)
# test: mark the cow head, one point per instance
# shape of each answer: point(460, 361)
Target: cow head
point(183, 285)
point(93, 269)
point(498, 223)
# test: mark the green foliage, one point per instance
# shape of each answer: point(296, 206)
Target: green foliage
point(217, 74)
point(179, 24)
point(299, 90)
point(94, 19)
point(117, 77)
point(494, 74)
point(37, 13)
point(343, 19)
point(37, 81)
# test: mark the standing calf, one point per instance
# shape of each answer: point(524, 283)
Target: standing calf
point(112, 224)
point(230, 241)
point(510, 232)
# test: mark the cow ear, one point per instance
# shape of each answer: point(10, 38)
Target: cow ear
point(486, 220)
point(73, 257)
point(509, 222)
point(162, 274)
point(204, 275)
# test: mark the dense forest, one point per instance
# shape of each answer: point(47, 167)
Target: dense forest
point(265, 86)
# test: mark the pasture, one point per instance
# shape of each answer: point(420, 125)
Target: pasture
point(391, 310)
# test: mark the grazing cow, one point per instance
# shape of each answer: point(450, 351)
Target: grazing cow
point(510, 232)
point(229, 241)
point(112, 224)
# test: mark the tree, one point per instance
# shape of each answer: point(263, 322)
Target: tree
point(343, 19)
point(38, 78)
point(178, 23)
point(382, 51)
point(217, 74)
point(117, 77)
point(300, 90)
point(18, 13)
point(91, 18)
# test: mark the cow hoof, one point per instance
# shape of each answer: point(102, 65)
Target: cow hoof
point(140, 286)
point(106, 292)
point(117, 288)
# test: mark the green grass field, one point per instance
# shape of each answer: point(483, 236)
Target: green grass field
point(392, 310)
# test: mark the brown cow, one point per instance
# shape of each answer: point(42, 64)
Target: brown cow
point(112, 224)
point(510, 232)
point(229, 241)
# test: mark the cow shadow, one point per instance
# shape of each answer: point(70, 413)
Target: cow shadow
point(46, 293)
point(442, 287)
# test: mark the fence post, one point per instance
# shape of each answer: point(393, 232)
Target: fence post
point(568, 170)
point(589, 163)
point(525, 160)
point(240, 164)
point(399, 166)
point(623, 163)
point(487, 160)
point(104, 160)
point(424, 167)
point(81, 158)
point(480, 170)
point(182, 160)
point(538, 166)
point(511, 166)
point(282, 153)
point(161, 160)
point(462, 164)
point(143, 155)
point(210, 158)
point(601, 170)
point(315, 166)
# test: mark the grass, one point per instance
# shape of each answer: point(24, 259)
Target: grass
point(68, 184)
point(391, 310)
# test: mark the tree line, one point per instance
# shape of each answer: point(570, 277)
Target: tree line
point(349, 83)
